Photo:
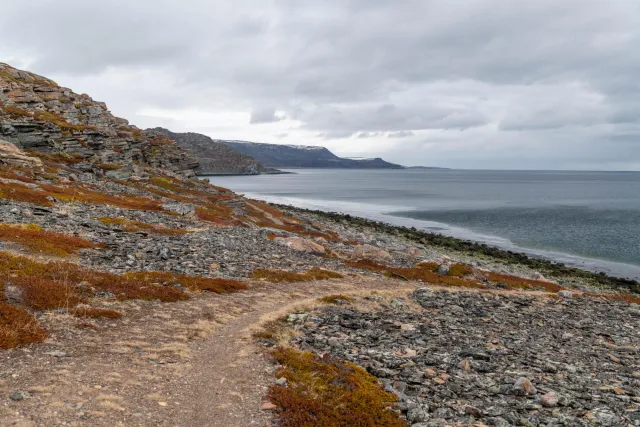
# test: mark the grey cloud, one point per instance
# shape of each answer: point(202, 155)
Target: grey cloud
point(264, 115)
point(335, 135)
point(366, 135)
point(503, 72)
point(400, 134)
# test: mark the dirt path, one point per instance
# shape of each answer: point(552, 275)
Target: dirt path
point(185, 364)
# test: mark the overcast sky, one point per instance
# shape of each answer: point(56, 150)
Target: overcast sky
point(508, 84)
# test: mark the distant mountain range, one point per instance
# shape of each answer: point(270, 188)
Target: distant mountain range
point(302, 156)
point(223, 157)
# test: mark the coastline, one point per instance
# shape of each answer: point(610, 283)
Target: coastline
point(479, 250)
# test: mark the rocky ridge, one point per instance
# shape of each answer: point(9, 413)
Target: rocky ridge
point(38, 114)
point(216, 158)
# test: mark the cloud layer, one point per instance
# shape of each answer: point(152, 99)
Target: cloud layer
point(464, 83)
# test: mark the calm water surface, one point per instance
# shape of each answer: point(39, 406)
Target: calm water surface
point(588, 219)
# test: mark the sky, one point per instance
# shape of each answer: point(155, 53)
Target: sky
point(482, 84)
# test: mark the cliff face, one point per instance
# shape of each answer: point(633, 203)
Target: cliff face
point(215, 157)
point(300, 156)
point(37, 114)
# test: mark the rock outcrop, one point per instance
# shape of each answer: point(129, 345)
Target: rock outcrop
point(215, 157)
point(371, 252)
point(12, 156)
point(301, 245)
point(38, 114)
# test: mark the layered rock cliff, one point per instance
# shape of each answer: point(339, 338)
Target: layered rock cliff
point(38, 114)
point(215, 157)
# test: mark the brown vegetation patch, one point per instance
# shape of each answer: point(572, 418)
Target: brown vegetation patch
point(109, 166)
point(17, 327)
point(85, 282)
point(44, 294)
point(521, 283)
point(35, 239)
point(74, 193)
point(95, 313)
point(323, 391)
point(18, 174)
point(629, 299)
point(220, 215)
point(21, 193)
point(460, 270)
point(79, 193)
point(424, 273)
point(133, 226)
point(193, 283)
point(279, 276)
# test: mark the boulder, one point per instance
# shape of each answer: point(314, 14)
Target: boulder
point(180, 208)
point(523, 386)
point(549, 400)
point(10, 155)
point(565, 294)
point(414, 253)
point(301, 245)
point(538, 276)
point(371, 252)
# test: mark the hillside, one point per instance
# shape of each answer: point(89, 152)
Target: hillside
point(300, 156)
point(37, 114)
point(134, 294)
point(215, 157)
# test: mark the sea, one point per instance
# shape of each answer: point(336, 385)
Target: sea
point(589, 220)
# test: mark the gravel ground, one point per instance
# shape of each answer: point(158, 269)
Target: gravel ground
point(497, 359)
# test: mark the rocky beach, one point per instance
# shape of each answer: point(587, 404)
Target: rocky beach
point(133, 293)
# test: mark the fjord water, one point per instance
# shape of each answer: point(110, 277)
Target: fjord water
point(585, 219)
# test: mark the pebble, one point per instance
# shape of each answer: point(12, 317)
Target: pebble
point(549, 400)
point(498, 368)
point(20, 395)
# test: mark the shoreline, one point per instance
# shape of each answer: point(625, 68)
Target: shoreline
point(481, 250)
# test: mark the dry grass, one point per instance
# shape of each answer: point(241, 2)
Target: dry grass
point(21, 193)
point(460, 270)
point(425, 272)
point(109, 166)
point(280, 276)
point(220, 215)
point(323, 391)
point(193, 283)
point(71, 276)
point(79, 193)
point(17, 327)
point(521, 283)
point(18, 174)
point(336, 299)
point(44, 294)
point(95, 313)
point(37, 240)
point(629, 299)
point(74, 193)
point(133, 226)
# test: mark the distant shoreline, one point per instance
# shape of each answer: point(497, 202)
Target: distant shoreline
point(476, 249)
